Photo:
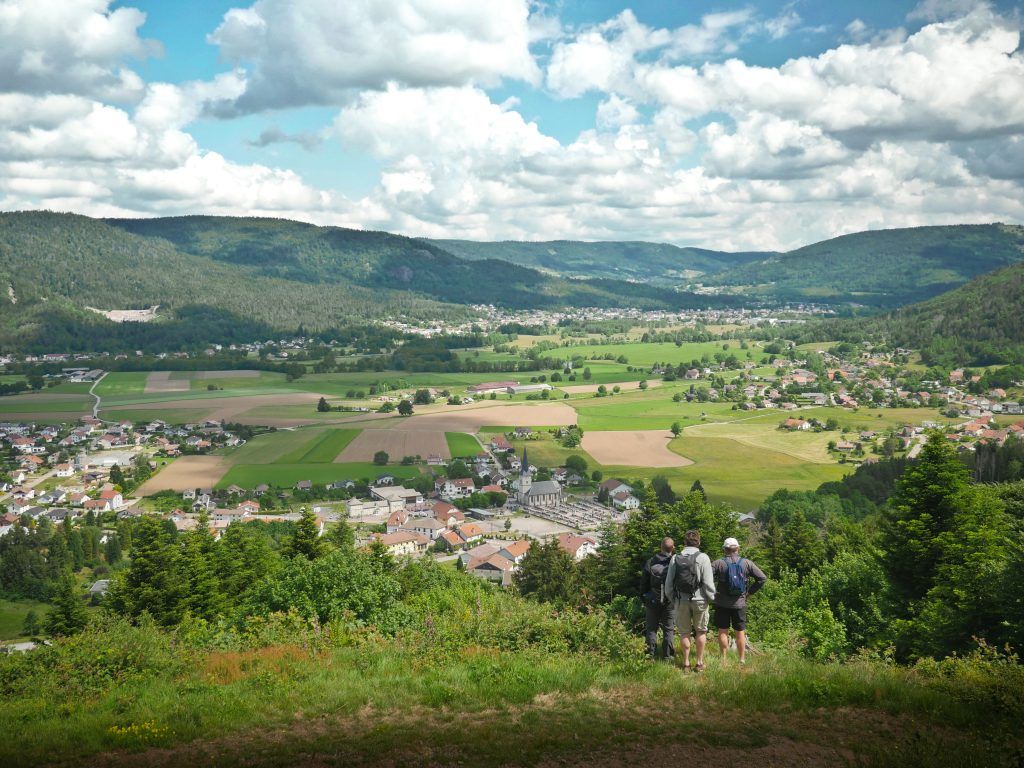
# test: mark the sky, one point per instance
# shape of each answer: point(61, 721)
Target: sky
point(766, 124)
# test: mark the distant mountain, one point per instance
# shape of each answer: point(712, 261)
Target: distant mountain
point(657, 263)
point(884, 268)
point(235, 279)
point(980, 323)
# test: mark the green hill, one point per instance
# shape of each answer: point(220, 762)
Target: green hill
point(658, 263)
point(885, 268)
point(980, 323)
point(235, 279)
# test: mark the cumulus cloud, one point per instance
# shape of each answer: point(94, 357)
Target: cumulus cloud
point(321, 51)
point(71, 46)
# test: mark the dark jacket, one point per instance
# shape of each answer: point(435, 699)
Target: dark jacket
point(755, 580)
point(647, 585)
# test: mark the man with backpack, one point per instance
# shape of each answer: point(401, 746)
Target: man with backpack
point(660, 610)
point(692, 589)
point(736, 579)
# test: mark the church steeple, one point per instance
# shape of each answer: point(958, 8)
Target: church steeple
point(525, 468)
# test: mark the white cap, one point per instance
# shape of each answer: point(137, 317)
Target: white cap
point(730, 543)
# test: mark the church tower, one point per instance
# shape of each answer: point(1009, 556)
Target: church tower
point(525, 478)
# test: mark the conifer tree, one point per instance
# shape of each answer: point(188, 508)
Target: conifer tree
point(68, 615)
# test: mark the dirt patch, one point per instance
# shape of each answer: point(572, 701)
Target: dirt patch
point(161, 381)
point(231, 408)
point(186, 472)
point(397, 443)
point(625, 386)
point(640, 448)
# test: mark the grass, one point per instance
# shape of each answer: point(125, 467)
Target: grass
point(374, 705)
point(286, 475)
point(145, 415)
point(44, 405)
point(647, 354)
point(323, 448)
point(119, 384)
point(461, 445)
point(12, 616)
point(547, 452)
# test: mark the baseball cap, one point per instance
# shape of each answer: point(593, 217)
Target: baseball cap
point(730, 543)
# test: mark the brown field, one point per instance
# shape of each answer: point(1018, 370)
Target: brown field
point(625, 386)
point(232, 408)
point(397, 443)
point(161, 381)
point(184, 473)
point(44, 416)
point(640, 448)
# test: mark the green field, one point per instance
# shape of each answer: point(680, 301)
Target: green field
point(462, 445)
point(119, 384)
point(286, 475)
point(662, 352)
point(12, 616)
point(323, 448)
point(144, 415)
point(45, 404)
point(653, 409)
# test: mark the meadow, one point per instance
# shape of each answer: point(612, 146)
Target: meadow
point(461, 445)
point(12, 616)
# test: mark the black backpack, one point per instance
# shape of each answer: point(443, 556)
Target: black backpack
point(687, 580)
point(659, 572)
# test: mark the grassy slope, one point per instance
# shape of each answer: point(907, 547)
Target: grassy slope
point(12, 616)
point(373, 705)
point(884, 268)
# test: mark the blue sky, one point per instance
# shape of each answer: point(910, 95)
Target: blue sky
point(733, 125)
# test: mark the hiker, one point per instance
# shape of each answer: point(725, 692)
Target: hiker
point(736, 579)
point(661, 612)
point(691, 586)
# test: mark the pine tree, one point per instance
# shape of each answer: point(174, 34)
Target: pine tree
point(921, 511)
point(698, 488)
point(802, 550)
point(112, 550)
point(306, 542)
point(203, 596)
point(32, 626)
point(68, 615)
point(342, 536)
point(548, 573)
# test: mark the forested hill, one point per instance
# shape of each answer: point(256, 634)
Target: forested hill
point(981, 323)
point(235, 279)
point(658, 263)
point(884, 268)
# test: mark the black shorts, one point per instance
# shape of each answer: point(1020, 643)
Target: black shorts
point(734, 617)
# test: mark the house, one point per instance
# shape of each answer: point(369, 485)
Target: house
point(385, 479)
point(371, 507)
point(845, 445)
point(64, 470)
point(448, 514)
point(250, 506)
point(402, 543)
point(494, 568)
point(304, 485)
point(429, 527)
point(458, 488)
point(578, 547)
point(435, 460)
point(451, 540)
point(396, 520)
point(500, 445)
point(796, 425)
point(397, 495)
point(515, 551)
point(625, 501)
point(113, 496)
point(470, 532)
point(614, 486)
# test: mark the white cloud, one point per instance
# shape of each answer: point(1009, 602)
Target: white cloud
point(321, 51)
point(71, 46)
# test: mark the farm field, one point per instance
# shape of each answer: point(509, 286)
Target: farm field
point(461, 444)
point(645, 448)
point(323, 448)
point(187, 472)
point(646, 410)
point(396, 443)
point(662, 352)
point(544, 451)
point(286, 475)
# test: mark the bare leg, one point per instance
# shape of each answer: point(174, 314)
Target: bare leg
point(723, 643)
point(685, 639)
point(702, 641)
point(741, 644)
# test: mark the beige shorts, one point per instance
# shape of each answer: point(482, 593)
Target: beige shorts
point(692, 616)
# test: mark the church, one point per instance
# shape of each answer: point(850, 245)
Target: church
point(543, 493)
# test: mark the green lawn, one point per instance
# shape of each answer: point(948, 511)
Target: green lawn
point(12, 616)
point(462, 445)
point(286, 475)
point(323, 448)
point(45, 404)
point(119, 384)
point(145, 415)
